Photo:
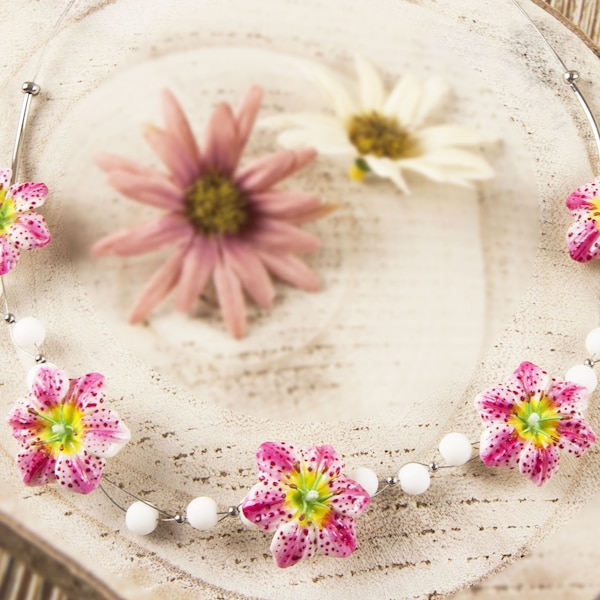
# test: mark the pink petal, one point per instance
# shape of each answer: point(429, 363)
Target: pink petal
point(269, 170)
point(350, 498)
point(198, 265)
point(112, 162)
point(49, 387)
point(264, 506)
point(80, 473)
point(250, 270)
point(283, 205)
point(231, 298)
point(529, 381)
point(496, 404)
point(37, 467)
point(246, 116)
point(323, 459)
point(24, 422)
point(173, 154)
point(539, 464)
point(87, 391)
point(308, 216)
point(28, 196)
point(583, 239)
point(104, 430)
point(29, 231)
point(338, 537)
point(9, 255)
point(280, 237)
point(579, 198)
point(570, 398)
point(291, 270)
point(499, 446)
point(151, 235)
point(154, 190)
point(576, 436)
point(178, 125)
point(275, 459)
point(292, 543)
point(158, 287)
point(221, 148)
point(5, 175)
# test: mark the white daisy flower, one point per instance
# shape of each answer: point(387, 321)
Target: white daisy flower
point(386, 134)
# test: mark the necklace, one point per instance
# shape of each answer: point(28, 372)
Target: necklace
point(361, 443)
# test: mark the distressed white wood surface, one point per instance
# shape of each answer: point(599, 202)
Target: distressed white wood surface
point(468, 525)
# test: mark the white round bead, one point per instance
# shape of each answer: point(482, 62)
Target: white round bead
point(592, 342)
point(141, 518)
point(33, 372)
point(583, 375)
point(202, 513)
point(455, 449)
point(367, 479)
point(29, 333)
point(414, 479)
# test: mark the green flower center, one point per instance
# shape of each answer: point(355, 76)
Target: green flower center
point(62, 429)
point(379, 135)
point(216, 206)
point(8, 214)
point(536, 421)
point(308, 496)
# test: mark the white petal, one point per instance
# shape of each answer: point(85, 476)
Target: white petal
point(465, 164)
point(387, 168)
point(372, 93)
point(342, 104)
point(404, 100)
point(435, 92)
point(442, 136)
point(418, 165)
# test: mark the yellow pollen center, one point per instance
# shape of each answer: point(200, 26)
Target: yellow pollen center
point(216, 206)
point(8, 214)
point(536, 421)
point(595, 202)
point(62, 429)
point(308, 495)
point(378, 135)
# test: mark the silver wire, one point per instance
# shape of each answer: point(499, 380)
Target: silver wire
point(569, 76)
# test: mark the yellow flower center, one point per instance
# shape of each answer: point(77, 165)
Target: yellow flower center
point(216, 206)
point(8, 214)
point(378, 135)
point(536, 421)
point(62, 429)
point(308, 496)
point(595, 202)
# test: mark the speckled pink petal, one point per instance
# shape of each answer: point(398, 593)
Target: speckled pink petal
point(80, 472)
point(198, 265)
point(9, 255)
point(581, 196)
point(5, 178)
point(496, 404)
point(178, 125)
point(279, 237)
point(529, 381)
point(323, 459)
point(29, 231)
point(28, 196)
point(583, 239)
point(221, 148)
point(49, 387)
point(539, 464)
point(36, 466)
point(292, 543)
point(158, 287)
point(350, 498)
point(87, 391)
point(576, 436)
point(103, 432)
point(568, 397)
point(149, 236)
point(231, 298)
point(275, 459)
point(246, 116)
point(23, 421)
point(338, 537)
point(283, 205)
point(264, 505)
point(155, 190)
point(499, 446)
point(173, 154)
point(250, 271)
point(291, 270)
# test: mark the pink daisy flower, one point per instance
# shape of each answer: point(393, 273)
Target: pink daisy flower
point(227, 222)
point(583, 236)
point(303, 496)
point(20, 227)
point(64, 430)
point(530, 420)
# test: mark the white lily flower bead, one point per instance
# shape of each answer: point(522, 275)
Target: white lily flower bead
point(583, 375)
point(33, 372)
point(414, 479)
point(592, 342)
point(202, 513)
point(29, 333)
point(367, 479)
point(141, 518)
point(456, 449)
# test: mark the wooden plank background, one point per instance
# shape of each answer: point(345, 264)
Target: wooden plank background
point(541, 575)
